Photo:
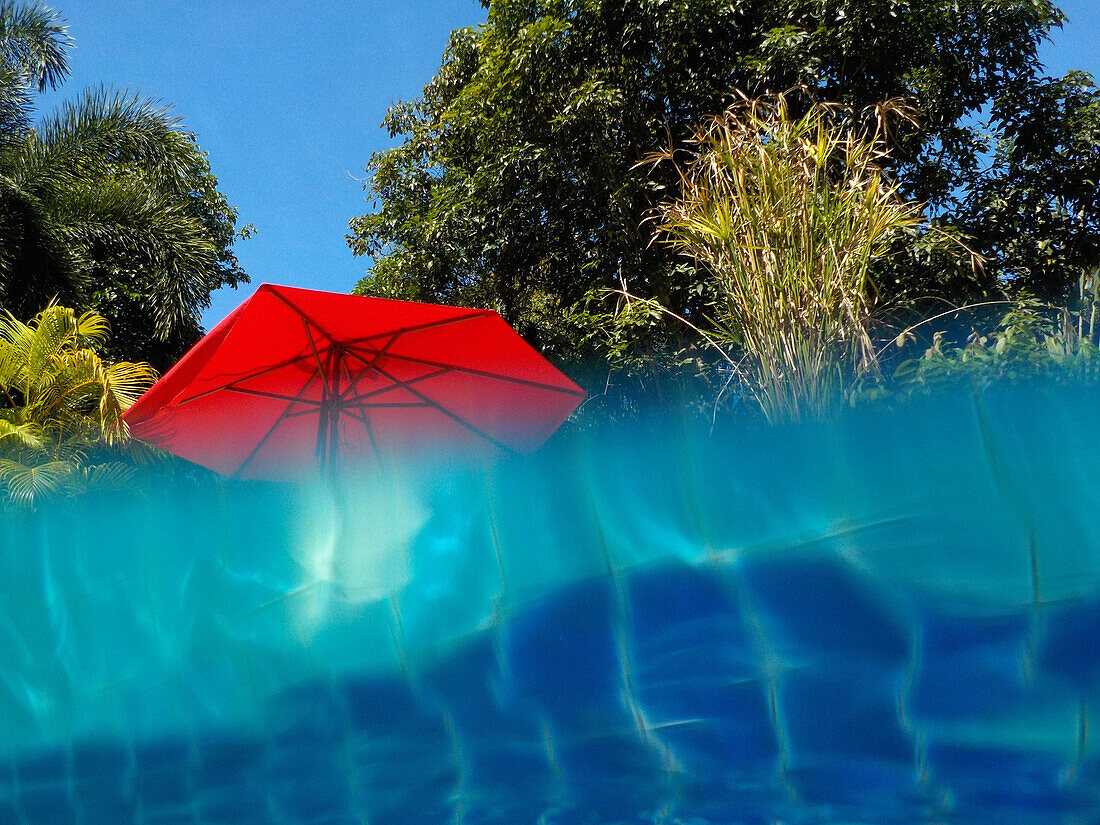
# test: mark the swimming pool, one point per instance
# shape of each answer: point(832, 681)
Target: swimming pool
point(890, 619)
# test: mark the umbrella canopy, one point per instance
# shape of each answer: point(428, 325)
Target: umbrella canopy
point(297, 379)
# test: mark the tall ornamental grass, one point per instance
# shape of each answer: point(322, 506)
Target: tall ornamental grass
point(788, 213)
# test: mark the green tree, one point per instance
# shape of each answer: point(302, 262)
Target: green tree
point(1035, 212)
point(61, 406)
point(513, 187)
point(515, 183)
point(105, 203)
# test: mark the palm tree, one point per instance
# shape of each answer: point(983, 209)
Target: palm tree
point(105, 203)
point(61, 405)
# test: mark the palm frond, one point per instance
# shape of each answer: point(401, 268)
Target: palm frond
point(92, 329)
point(34, 41)
point(106, 476)
point(150, 233)
point(20, 437)
point(126, 382)
point(74, 388)
point(29, 484)
point(15, 345)
point(16, 106)
point(60, 381)
point(35, 265)
point(106, 130)
point(48, 334)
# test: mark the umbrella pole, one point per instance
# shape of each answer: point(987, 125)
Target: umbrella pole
point(332, 453)
point(328, 426)
point(323, 458)
point(328, 441)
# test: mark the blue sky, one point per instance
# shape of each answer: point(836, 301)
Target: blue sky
point(287, 96)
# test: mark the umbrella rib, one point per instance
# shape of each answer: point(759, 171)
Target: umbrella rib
point(249, 377)
point(348, 410)
point(353, 383)
point(306, 319)
point(282, 417)
point(480, 313)
point(354, 411)
point(309, 322)
point(375, 355)
point(347, 377)
point(275, 395)
point(458, 419)
point(399, 385)
point(470, 371)
point(300, 413)
point(316, 355)
point(387, 405)
point(325, 447)
point(306, 322)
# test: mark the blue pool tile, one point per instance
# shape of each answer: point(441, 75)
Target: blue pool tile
point(238, 804)
point(694, 671)
point(100, 763)
point(820, 607)
point(43, 768)
point(851, 714)
point(562, 654)
point(228, 761)
point(500, 748)
point(47, 805)
point(1071, 650)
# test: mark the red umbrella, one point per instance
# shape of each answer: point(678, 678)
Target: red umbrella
point(294, 379)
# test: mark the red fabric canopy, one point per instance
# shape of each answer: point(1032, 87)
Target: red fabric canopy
point(294, 379)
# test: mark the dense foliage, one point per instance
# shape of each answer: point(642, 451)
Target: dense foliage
point(1034, 211)
point(1033, 343)
point(61, 405)
point(106, 203)
point(516, 182)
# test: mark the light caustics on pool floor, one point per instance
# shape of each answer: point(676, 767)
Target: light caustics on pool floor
point(889, 620)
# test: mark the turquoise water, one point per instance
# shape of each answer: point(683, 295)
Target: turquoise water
point(893, 619)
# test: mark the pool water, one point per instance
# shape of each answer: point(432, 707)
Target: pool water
point(895, 618)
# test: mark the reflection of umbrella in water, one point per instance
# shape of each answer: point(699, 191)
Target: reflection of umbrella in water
point(294, 379)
